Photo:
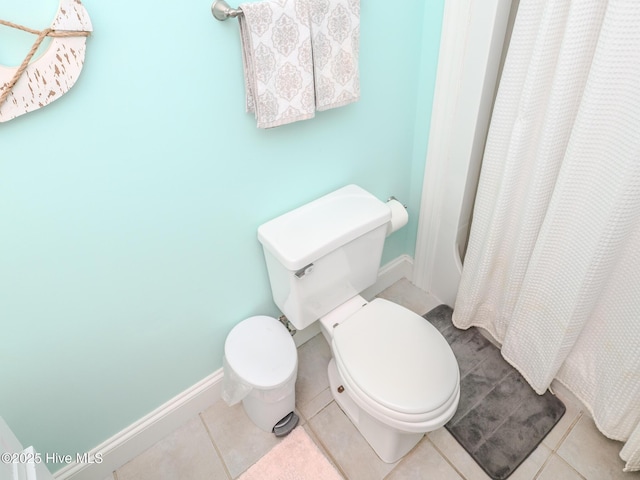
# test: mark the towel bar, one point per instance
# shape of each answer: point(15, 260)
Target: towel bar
point(221, 10)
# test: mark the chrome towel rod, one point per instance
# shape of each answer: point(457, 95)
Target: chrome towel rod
point(221, 10)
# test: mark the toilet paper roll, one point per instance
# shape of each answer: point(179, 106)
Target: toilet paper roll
point(399, 216)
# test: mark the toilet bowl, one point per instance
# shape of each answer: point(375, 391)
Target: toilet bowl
point(392, 372)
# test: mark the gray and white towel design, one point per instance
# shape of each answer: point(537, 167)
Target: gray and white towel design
point(299, 56)
point(335, 39)
point(278, 69)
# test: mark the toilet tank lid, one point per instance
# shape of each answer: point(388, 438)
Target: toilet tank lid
point(304, 235)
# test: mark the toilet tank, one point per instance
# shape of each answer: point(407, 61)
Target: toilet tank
point(325, 252)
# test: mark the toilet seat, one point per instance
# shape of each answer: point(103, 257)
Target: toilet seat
point(397, 366)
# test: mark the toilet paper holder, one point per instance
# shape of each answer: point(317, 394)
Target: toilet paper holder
point(399, 215)
point(394, 198)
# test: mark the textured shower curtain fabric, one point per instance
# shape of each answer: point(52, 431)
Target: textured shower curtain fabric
point(552, 269)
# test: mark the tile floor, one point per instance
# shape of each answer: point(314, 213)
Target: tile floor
point(221, 442)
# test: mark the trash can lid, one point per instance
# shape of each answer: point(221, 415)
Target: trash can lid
point(261, 351)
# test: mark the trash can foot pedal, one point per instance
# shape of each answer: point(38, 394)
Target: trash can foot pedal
point(284, 426)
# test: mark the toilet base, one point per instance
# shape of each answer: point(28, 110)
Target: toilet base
point(389, 443)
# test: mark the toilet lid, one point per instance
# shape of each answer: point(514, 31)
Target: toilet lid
point(261, 351)
point(396, 357)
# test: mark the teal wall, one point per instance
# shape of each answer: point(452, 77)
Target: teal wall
point(129, 207)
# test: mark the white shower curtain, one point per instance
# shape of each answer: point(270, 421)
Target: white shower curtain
point(552, 269)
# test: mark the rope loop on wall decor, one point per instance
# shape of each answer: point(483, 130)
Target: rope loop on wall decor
point(42, 34)
point(42, 79)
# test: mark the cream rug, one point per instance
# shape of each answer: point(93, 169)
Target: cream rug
point(296, 457)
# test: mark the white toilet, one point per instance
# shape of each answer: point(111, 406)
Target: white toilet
point(392, 372)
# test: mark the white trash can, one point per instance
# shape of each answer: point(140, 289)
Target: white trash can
point(260, 368)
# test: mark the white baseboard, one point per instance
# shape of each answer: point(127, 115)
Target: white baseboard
point(390, 273)
point(135, 439)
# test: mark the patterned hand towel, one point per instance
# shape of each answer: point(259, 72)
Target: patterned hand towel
point(335, 38)
point(276, 53)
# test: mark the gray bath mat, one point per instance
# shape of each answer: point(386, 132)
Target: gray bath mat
point(500, 419)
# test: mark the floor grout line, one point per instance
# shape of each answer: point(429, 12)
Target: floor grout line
point(566, 434)
point(325, 450)
point(446, 458)
point(215, 447)
point(542, 467)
